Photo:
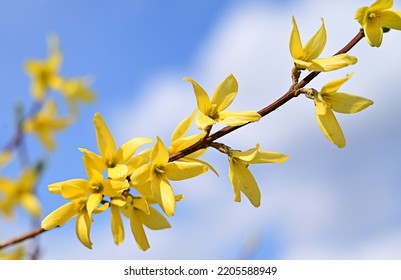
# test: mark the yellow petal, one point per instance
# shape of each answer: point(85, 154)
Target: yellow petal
point(332, 63)
point(238, 118)
point(242, 177)
point(141, 204)
point(295, 42)
point(391, 19)
point(331, 129)
point(315, 45)
point(374, 33)
point(203, 121)
point(105, 141)
point(178, 170)
point(138, 231)
point(120, 171)
point(247, 155)
point(235, 183)
point(303, 64)
point(348, 103)
point(60, 216)
point(361, 15)
point(381, 5)
point(31, 204)
point(335, 85)
point(93, 202)
point(82, 229)
point(117, 227)
point(154, 220)
point(191, 159)
point(182, 143)
point(159, 154)
point(182, 128)
point(202, 98)
point(129, 148)
point(164, 195)
point(225, 93)
point(74, 188)
point(141, 175)
point(93, 171)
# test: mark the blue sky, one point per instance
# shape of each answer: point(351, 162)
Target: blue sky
point(323, 203)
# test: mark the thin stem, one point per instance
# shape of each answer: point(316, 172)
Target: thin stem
point(22, 237)
point(204, 143)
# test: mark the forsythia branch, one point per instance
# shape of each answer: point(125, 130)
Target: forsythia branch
point(208, 141)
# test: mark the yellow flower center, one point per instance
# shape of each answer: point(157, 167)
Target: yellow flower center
point(110, 164)
point(97, 188)
point(372, 15)
point(213, 113)
point(159, 169)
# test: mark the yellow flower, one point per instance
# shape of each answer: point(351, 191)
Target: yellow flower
point(213, 111)
point(378, 15)
point(75, 91)
point(329, 100)
point(160, 170)
point(20, 191)
point(140, 213)
point(110, 158)
point(44, 123)
point(180, 141)
point(77, 207)
point(93, 189)
point(44, 74)
point(241, 178)
point(305, 57)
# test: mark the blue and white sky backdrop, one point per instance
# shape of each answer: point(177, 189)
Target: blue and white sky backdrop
point(324, 203)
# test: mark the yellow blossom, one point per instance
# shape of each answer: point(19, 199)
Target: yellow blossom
point(242, 179)
point(21, 192)
point(76, 207)
point(44, 74)
point(140, 213)
point(305, 57)
point(44, 123)
point(375, 17)
point(329, 100)
point(180, 141)
point(213, 110)
point(93, 189)
point(159, 171)
point(110, 158)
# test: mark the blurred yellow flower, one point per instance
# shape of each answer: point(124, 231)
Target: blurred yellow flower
point(242, 179)
point(305, 57)
point(16, 254)
point(45, 123)
point(44, 74)
point(213, 110)
point(20, 192)
point(329, 100)
point(375, 17)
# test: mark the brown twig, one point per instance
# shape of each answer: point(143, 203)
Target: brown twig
point(22, 237)
point(206, 142)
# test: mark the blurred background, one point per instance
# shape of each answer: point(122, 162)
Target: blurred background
point(324, 203)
